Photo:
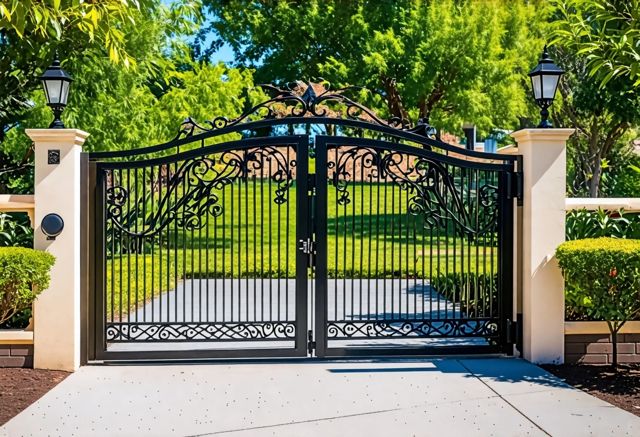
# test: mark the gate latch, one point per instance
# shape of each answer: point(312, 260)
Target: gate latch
point(306, 246)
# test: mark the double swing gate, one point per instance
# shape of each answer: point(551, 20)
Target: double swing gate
point(299, 236)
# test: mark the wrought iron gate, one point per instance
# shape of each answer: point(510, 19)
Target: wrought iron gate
point(300, 234)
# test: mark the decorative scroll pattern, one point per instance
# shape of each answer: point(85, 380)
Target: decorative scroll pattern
point(190, 194)
point(410, 328)
point(152, 332)
point(291, 101)
point(434, 194)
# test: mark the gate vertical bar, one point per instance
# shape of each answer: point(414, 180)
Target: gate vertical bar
point(321, 246)
point(87, 188)
point(302, 233)
point(505, 258)
point(99, 227)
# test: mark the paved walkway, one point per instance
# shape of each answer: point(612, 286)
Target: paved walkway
point(438, 397)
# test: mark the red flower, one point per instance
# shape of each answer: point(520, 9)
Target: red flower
point(613, 273)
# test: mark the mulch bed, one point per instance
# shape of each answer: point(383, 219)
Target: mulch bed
point(19, 388)
point(621, 388)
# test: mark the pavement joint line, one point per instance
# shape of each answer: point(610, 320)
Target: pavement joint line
point(504, 399)
point(278, 425)
point(322, 419)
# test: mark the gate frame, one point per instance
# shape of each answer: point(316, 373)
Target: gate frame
point(508, 178)
point(303, 111)
point(96, 258)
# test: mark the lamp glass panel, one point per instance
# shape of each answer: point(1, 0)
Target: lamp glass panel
point(537, 87)
point(53, 87)
point(65, 93)
point(46, 90)
point(549, 84)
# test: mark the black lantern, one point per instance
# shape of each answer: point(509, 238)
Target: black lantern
point(55, 82)
point(544, 80)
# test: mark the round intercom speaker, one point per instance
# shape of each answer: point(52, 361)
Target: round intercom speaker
point(52, 225)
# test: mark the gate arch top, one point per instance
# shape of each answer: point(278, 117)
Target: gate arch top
point(308, 104)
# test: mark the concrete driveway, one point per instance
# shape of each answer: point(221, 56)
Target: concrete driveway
point(425, 397)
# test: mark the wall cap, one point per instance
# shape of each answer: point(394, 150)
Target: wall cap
point(632, 327)
point(16, 336)
point(607, 204)
point(75, 137)
point(538, 134)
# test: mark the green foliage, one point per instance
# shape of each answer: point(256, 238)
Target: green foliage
point(582, 223)
point(476, 293)
point(603, 275)
point(15, 230)
point(603, 108)
point(446, 61)
point(606, 33)
point(34, 21)
point(33, 29)
point(24, 273)
point(125, 108)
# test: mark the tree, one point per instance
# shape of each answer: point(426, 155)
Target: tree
point(604, 108)
point(31, 30)
point(444, 61)
point(606, 32)
point(125, 108)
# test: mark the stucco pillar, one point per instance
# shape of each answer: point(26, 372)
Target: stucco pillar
point(543, 229)
point(56, 311)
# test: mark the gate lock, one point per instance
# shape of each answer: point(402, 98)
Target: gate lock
point(306, 246)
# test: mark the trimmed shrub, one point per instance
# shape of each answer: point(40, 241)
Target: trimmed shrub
point(23, 274)
point(603, 276)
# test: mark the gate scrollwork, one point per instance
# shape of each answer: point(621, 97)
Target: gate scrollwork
point(192, 192)
point(434, 193)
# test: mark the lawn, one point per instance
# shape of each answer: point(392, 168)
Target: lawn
point(371, 235)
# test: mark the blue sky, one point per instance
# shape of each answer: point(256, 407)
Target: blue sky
point(225, 54)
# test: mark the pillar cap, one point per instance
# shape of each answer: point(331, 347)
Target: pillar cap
point(540, 134)
point(75, 137)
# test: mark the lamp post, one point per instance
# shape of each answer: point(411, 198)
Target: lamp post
point(55, 82)
point(544, 80)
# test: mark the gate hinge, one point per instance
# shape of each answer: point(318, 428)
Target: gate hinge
point(514, 186)
point(311, 345)
point(519, 188)
point(513, 331)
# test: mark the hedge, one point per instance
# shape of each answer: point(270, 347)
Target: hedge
point(23, 274)
point(603, 279)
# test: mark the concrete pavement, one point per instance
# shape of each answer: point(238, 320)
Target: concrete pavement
point(421, 397)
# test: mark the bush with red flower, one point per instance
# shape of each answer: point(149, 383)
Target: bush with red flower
point(603, 275)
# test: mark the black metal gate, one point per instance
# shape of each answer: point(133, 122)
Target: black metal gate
point(296, 235)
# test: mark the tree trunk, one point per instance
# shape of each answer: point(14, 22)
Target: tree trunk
point(394, 101)
point(594, 183)
point(614, 328)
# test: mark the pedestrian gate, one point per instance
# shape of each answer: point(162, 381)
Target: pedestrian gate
point(286, 233)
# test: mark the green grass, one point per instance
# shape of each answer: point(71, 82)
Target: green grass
point(371, 235)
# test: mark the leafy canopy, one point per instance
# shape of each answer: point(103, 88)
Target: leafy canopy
point(606, 32)
point(446, 61)
point(30, 31)
point(125, 108)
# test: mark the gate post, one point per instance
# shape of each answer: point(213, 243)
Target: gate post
point(56, 311)
point(543, 229)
